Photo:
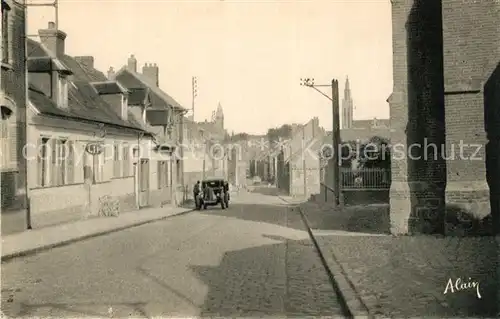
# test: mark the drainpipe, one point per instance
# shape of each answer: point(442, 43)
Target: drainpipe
point(138, 167)
point(181, 162)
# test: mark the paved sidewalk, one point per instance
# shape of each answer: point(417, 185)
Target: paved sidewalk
point(32, 241)
point(404, 276)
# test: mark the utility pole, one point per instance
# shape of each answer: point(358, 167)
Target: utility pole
point(309, 82)
point(194, 88)
point(304, 168)
point(54, 4)
point(336, 141)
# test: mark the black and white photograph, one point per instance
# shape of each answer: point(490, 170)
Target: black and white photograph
point(250, 159)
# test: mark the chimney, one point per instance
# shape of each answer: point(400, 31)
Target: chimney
point(87, 61)
point(111, 74)
point(53, 39)
point(132, 63)
point(151, 72)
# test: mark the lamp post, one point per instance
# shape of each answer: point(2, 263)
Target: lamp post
point(309, 82)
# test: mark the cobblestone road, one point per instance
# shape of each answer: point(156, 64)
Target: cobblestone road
point(405, 277)
point(248, 260)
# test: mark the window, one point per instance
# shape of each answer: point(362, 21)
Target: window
point(59, 160)
point(8, 138)
point(126, 161)
point(6, 53)
point(116, 161)
point(55, 162)
point(62, 93)
point(163, 181)
point(43, 162)
point(4, 139)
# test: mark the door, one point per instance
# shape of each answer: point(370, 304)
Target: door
point(143, 179)
point(88, 178)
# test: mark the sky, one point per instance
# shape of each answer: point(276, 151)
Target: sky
point(247, 55)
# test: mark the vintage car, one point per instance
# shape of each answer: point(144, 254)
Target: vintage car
point(213, 192)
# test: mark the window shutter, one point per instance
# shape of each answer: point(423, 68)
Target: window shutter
point(70, 162)
point(126, 161)
point(40, 171)
point(116, 161)
point(107, 167)
point(53, 162)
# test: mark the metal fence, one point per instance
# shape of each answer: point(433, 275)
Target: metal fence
point(365, 179)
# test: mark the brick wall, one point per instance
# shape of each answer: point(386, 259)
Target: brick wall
point(417, 117)
point(443, 56)
point(13, 87)
point(304, 166)
point(471, 54)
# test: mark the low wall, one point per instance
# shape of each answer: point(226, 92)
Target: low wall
point(55, 205)
point(354, 197)
point(62, 204)
point(161, 197)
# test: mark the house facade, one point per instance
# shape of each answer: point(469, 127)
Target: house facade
point(88, 155)
point(12, 126)
point(299, 162)
point(198, 163)
point(237, 164)
point(162, 115)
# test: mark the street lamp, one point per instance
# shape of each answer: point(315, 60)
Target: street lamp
point(309, 82)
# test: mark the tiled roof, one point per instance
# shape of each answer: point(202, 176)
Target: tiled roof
point(134, 80)
point(84, 102)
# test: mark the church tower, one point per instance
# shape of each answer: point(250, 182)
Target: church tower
point(219, 118)
point(347, 106)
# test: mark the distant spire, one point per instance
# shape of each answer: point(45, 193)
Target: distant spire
point(220, 112)
point(347, 89)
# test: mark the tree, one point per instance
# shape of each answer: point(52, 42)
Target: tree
point(283, 132)
point(375, 153)
point(240, 137)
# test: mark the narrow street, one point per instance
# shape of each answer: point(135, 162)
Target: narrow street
point(253, 259)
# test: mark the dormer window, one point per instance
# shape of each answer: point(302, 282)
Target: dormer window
point(6, 38)
point(124, 107)
point(62, 91)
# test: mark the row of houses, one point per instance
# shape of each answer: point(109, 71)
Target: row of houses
point(296, 166)
point(77, 143)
